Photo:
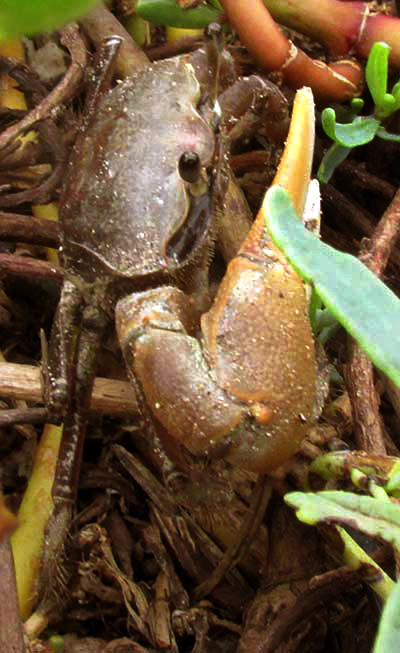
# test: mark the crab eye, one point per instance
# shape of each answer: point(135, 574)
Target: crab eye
point(189, 167)
point(213, 32)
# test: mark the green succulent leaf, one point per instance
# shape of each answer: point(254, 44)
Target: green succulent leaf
point(376, 72)
point(388, 638)
point(167, 12)
point(362, 304)
point(19, 17)
point(362, 130)
point(375, 517)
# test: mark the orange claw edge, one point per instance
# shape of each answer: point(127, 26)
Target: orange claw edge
point(294, 170)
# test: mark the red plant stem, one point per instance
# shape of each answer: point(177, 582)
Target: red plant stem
point(258, 31)
point(333, 23)
point(340, 81)
point(273, 51)
point(341, 27)
point(380, 28)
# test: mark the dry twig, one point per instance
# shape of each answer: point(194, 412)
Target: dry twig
point(375, 254)
point(109, 396)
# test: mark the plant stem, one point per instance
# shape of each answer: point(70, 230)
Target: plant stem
point(333, 23)
point(273, 51)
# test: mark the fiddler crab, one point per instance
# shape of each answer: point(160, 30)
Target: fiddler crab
point(145, 199)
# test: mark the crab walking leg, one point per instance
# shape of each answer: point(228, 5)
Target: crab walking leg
point(68, 466)
point(69, 461)
point(56, 368)
point(246, 390)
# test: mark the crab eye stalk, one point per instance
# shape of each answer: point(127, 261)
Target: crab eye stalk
point(213, 32)
point(189, 167)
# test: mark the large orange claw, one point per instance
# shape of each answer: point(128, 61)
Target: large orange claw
point(258, 331)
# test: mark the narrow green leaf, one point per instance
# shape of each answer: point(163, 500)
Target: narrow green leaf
point(393, 483)
point(388, 638)
point(19, 17)
point(388, 136)
point(328, 119)
point(396, 90)
point(375, 517)
point(357, 105)
point(358, 559)
point(388, 106)
point(314, 310)
point(366, 308)
point(168, 12)
point(376, 72)
point(332, 158)
point(326, 334)
point(381, 470)
point(397, 103)
point(388, 103)
point(324, 325)
point(325, 319)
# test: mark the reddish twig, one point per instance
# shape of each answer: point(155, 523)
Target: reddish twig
point(366, 180)
point(43, 191)
point(357, 219)
point(31, 154)
point(25, 228)
point(40, 194)
point(24, 266)
point(63, 91)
